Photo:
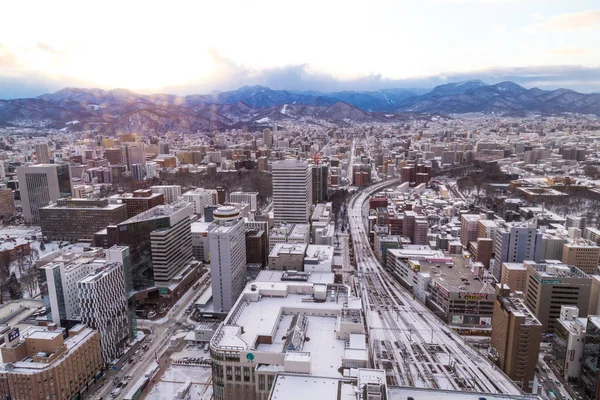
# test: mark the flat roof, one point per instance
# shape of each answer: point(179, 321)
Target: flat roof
point(302, 387)
point(402, 393)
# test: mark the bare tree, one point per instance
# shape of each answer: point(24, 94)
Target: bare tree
point(30, 280)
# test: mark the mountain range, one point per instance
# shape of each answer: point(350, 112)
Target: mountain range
point(122, 110)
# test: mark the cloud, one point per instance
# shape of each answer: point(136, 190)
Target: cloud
point(7, 58)
point(568, 22)
point(229, 75)
point(569, 51)
point(45, 47)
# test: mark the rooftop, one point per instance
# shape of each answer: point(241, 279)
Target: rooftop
point(517, 307)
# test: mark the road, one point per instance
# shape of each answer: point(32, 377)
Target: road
point(160, 336)
point(407, 340)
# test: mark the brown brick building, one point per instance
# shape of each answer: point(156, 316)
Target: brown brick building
point(48, 366)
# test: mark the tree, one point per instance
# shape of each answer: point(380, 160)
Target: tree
point(30, 280)
point(14, 287)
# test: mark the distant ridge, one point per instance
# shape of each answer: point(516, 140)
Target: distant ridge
point(123, 110)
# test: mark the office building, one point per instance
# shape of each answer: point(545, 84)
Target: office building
point(103, 305)
point(7, 203)
point(41, 185)
point(82, 191)
point(114, 156)
point(590, 369)
point(250, 198)
point(552, 285)
point(292, 191)
point(584, 256)
point(133, 153)
point(200, 248)
point(284, 326)
point(287, 257)
point(201, 198)
point(567, 346)
point(77, 219)
point(172, 245)
point(227, 246)
point(41, 153)
point(138, 172)
point(172, 193)
point(49, 364)
point(514, 275)
point(318, 259)
point(516, 243)
point(139, 201)
point(516, 336)
point(469, 228)
point(255, 246)
point(267, 139)
point(159, 230)
point(320, 174)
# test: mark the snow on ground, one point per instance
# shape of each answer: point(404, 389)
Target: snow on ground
point(263, 120)
point(168, 390)
point(191, 352)
point(284, 109)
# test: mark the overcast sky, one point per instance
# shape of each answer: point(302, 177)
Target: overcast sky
point(190, 47)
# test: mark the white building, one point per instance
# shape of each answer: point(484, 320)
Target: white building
point(62, 278)
point(171, 192)
point(200, 246)
point(200, 198)
point(172, 245)
point(318, 258)
point(227, 246)
point(152, 169)
point(292, 191)
point(245, 197)
point(569, 341)
point(291, 326)
point(287, 256)
point(41, 185)
point(103, 304)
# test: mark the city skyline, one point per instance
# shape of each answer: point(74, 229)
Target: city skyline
point(188, 49)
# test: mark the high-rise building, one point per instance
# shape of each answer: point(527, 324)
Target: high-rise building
point(163, 148)
point(267, 138)
point(7, 203)
point(142, 234)
point(40, 185)
point(469, 228)
point(76, 219)
point(103, 306)
point(200, 198)
point(320, 173)
point(569, 338)
point(41, 153)
point(139, 201)
point(227, 246)
point(584, 256)
point(552, 285)
point(589, 379)
point(138, 172)
point(245, 197)
point(516, 243)
point(516, 335)
point(133, 153)
point(48, 363)
point(292, 191)
point(172, 193)
point(172, 246)
point(114, 156)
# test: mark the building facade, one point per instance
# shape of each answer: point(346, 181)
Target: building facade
point(227, 244)
point(41, 185)
point(292, 191)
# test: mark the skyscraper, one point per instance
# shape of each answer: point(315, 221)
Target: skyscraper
point(137, 172)
point(267, 138)
point(516, 243)
point(320, 173)
point(292, 191)
point(103, 305)
point(40, 185)
point(41, 153)
point(227, 245)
